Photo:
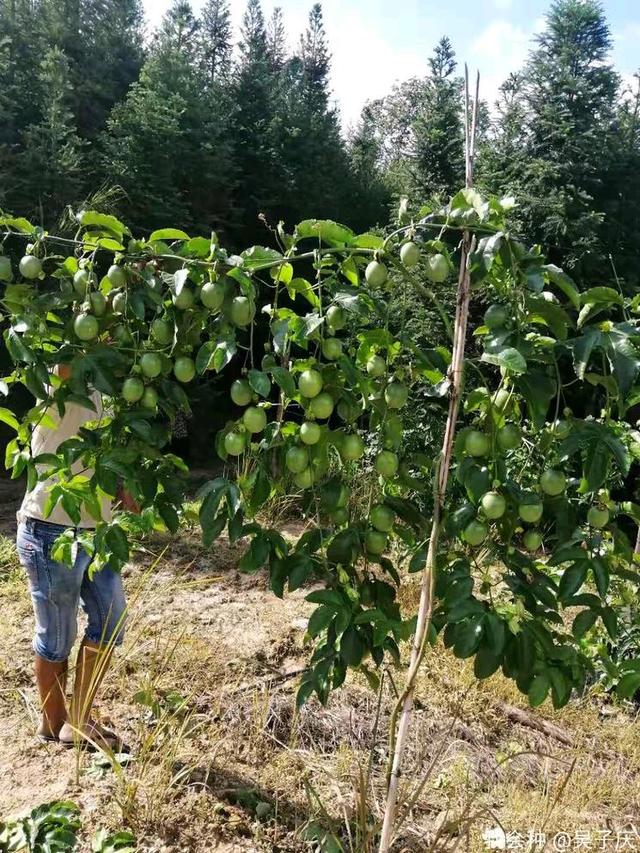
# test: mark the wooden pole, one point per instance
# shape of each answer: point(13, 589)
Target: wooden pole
point(404, 707)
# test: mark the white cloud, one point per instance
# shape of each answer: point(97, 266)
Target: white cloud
point(499, 49)
point(365, 64)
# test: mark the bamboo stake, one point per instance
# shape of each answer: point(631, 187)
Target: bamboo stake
point(404, 706)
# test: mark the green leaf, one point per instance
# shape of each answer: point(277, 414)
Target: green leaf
point(509, 358)
point(259, 257)
point(628, 685)
point(93, 219)
point(116, 539)
point(259, 382)
point(622, 357)
point(538, 690)
point(320, 619)
point(7, 417)
point(538, 389)
point(305, 289)
point(582, 348)
point(352, 647)
point(495, 633)
point(486, 663)
point(560, 687)
point(256, 555)
point(225, 351)
point(564, 283)
point(367, 241)
point(601, 296)
point(284, 380)
point(326, 230)
point(166, 234)
point(600, 575)
point(583, 622)
point(572, 579)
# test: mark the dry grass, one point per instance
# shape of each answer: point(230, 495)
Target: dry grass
point(202, 691)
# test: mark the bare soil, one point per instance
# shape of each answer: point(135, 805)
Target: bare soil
point(204, 692)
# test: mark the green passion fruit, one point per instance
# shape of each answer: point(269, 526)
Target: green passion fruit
point(553, 482)
point(386, 464)
point(241, 311)
point(382, 518)
point(335, 317)
point(437, 268)
point(133, 389)
point(532, 540)
point(310, 383)
point(98, 303)
point(30, 267)
point(476, 443)
point(255, 419)
point(376, 366)
point(494, 505)
point(375, 542)
point(162, 331)
point(310, 433)
point(475, 533)
point(321, 406)
point(352, 447)
point(119, 303)
point(116, 276)
point(151, 365)
point(85, 327)
point(241, 392)
point(396, 395)
point(331, 349)
point(410, 254)
point(509, 437)
point(212, 295)
point(530, 509)
point(234, 443)
point(304, 479)
point(296, 459)
point(184, 369)
point(598, 516)
point(376, 274)
point(150, 399)
point(184, 300)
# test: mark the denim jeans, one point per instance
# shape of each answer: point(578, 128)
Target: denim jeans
point(57, 590)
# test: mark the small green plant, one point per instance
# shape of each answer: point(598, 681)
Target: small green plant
point(119, 842)
point(46, 828)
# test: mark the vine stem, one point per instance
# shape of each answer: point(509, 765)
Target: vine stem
point(404, 706)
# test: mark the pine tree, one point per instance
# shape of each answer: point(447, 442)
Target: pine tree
point(316, 61)
point(370, 194)
point(50, 165)
point(276, 40)
point(215, 40)
point(102, 39)
point(259, 171)
point(179, 30)
point(437, 158)
point(167, 143)
point(22, 46)
point(557, 161)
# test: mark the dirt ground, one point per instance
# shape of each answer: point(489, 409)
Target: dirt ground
point(203, 691)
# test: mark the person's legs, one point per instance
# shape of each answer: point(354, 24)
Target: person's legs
point(103, 600)
point(55, 594)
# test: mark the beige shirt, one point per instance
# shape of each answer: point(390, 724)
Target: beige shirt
point(47, 439)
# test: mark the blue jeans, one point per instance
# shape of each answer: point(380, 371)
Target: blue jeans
point(57, 590)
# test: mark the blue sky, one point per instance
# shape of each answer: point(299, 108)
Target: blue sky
point(377, 42)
